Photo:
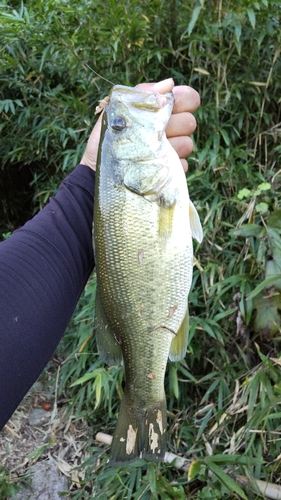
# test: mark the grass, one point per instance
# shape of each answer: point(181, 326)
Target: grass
point(224, 398)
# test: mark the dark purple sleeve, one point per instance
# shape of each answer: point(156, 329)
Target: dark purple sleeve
point(44, 267)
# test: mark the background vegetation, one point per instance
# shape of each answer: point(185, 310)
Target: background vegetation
point(224, 399)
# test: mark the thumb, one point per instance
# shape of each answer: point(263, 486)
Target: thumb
point(162, 87)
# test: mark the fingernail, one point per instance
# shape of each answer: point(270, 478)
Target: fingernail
point(168, 81)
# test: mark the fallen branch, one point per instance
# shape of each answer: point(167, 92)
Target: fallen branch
point(262, 488)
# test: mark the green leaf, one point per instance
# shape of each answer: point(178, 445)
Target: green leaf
point(222, 458)
point(12, 107)
point(273, 270)
point(225, 479)
point(244, 193)
point(224, 314)
point(165, 488)
point(35, 454)
point(194, 18)
point(84, 378)
point(264, 186)
point(98, 388)
point(262, 285)
point(262, 207)
point(274, 220)
point(274, 416)
point(254, 385)
point(267, 320)
point(209, 376)
point(210, 390)
point(238, 30)
point(152, 477)
point(225, 136)
point(174, 381)
point(252, 17)
point(44, 55)
point(263, 358)
point(248, 230)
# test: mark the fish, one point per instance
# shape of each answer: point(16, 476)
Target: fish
point(144, 222)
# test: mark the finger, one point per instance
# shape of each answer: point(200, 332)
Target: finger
point(186, 99)
point(97, 128)
point(93, 143)
point(89, 157)
point(184, 164)
point(162, 87)
point(180, 124)
point(183, 145)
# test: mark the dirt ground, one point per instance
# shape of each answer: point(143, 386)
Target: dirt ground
point(42, 428)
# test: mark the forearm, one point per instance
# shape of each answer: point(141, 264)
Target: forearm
point(44, 267)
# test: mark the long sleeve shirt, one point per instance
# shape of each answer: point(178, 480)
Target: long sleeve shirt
point(44, 267)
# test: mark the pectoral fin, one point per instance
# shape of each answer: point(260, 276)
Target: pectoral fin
point(108, 347)
point(180, 341)
point(195, 224)
point(148, 179)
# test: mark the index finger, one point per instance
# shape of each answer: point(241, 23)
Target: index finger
point(186, 99)
point(163, 87)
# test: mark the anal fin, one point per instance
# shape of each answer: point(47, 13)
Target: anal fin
point(108, 347)
point(180, 340)
point(195, 224)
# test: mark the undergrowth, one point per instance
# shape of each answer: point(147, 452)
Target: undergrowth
point(224, 399)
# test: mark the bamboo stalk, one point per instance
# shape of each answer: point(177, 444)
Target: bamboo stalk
point(262, 488)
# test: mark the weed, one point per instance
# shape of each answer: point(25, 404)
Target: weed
point(224, 398)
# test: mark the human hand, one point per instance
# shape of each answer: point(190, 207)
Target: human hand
point(182, 122)
point(180, 126)
point(90, 155)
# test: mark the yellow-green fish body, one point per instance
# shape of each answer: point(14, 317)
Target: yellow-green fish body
point(143, 228)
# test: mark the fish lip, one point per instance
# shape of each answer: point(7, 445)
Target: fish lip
point(141, 99)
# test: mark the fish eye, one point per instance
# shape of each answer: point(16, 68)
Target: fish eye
point(118, 123)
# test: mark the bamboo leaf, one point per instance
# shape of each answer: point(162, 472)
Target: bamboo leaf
point(248, 230)
point(152, 477)
point(225, 479)
point(195, 14)
point(262, 285)
point(252, 17)
point(274, 220)
point(84, 378)
point(225, 136)
point(174, 380)
point(194, 469)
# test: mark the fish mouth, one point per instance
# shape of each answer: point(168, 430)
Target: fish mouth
point(141, 99)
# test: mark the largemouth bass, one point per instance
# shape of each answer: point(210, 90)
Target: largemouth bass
point(143, 227)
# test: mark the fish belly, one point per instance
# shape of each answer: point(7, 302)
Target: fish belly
point(144, 271)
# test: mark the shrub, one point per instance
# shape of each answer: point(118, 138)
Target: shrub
point(224, 398)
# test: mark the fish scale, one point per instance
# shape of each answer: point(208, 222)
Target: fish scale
point(143, 222)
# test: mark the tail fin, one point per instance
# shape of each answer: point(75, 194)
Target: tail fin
point(139, 433)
